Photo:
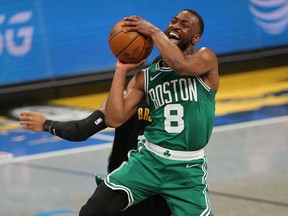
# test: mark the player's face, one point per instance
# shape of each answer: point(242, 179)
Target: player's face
point(182, 29)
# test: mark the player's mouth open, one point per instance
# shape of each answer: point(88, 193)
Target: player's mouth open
point(173, 37)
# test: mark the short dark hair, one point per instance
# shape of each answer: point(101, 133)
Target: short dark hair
point(200, 20)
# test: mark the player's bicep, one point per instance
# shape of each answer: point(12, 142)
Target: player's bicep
point(131, 105)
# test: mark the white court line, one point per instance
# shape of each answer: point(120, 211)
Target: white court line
point(217, 129)
point(250, 124)
point(103, 137)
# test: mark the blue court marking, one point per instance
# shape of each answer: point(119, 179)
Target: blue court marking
point(252, 115)
point(19, 142)
point(58, 212)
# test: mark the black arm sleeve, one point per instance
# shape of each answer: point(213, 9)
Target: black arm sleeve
point(78, 130)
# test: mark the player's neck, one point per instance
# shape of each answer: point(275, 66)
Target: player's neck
point(189, 51)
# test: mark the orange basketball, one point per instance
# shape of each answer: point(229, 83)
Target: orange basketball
point(129, 47)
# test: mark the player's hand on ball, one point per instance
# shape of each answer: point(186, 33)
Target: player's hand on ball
point(136, 23)
point(127, 67)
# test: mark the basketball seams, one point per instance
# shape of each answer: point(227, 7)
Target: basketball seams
point(111, 38)
point(132, 41)
point(114, 35)
point(143, 49)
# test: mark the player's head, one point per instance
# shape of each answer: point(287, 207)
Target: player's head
point(185, 29)
point(200, 20)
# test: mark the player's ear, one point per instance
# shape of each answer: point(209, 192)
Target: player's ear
point(196, 39)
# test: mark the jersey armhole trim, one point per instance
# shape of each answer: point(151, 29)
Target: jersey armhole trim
point(203, 83)
point(146, 83)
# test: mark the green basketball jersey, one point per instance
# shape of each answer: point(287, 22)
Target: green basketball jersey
point(182, 109)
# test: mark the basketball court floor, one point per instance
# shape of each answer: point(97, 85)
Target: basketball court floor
point(42, 175)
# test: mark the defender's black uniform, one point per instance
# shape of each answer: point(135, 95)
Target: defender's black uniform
point(126, 136)
point(125, 139)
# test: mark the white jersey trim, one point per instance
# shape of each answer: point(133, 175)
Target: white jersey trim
point(203, 83)
point(146, 82)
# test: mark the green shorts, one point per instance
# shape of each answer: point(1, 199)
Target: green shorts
point(180, 177)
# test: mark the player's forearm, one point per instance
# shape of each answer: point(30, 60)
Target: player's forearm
point(114, 108)
point(169, 51)
point(78, 130)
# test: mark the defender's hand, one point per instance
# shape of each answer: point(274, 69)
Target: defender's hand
point(32, 121)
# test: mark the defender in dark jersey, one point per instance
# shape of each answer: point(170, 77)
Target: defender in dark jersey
point(128, 133)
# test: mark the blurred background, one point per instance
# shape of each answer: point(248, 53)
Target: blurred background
point(46, 44)
point(55, 59)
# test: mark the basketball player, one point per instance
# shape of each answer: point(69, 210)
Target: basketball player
point(180, 90)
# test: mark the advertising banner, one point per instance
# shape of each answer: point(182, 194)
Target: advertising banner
point(50, 39)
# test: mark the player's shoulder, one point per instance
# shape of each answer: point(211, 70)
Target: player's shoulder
point(206, 53)
point(202, 50)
